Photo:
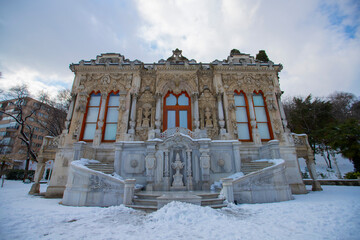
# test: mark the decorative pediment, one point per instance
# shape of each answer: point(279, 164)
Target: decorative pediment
point(177, 57)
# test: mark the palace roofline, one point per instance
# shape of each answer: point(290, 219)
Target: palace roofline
point(233, 60)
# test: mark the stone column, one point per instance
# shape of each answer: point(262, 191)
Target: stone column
point(189, 171)
point(133, 114)
point(205, 164)
point(166, 171)
point(196, 110)
point(237, 157)
point(255, 132)
point(221, 114)
point(117, 158)
point(228, 189)
point(70, 112)
point(158, 112)
point(281, 108)
point(150, 162)
point(79, 150)
point(129, 191)
point(98, 132)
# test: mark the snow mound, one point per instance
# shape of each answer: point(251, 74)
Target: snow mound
point(184, 214)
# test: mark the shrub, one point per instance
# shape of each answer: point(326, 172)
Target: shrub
point(352, 175)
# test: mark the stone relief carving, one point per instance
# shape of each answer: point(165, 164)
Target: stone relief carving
point(177, 82)
point(134, 163)
point(145, 119)
point(208, 113)
point(220, 162)
point(105, 82)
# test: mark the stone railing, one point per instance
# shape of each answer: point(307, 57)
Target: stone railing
point(171, 131)
point(263, 186)
point(86, 187)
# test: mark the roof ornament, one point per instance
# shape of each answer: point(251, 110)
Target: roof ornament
point(177, 57)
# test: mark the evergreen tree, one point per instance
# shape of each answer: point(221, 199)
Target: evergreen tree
point(261, 56)
point(345, 138)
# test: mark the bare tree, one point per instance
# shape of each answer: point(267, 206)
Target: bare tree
point(53, 116)
point(19, 97)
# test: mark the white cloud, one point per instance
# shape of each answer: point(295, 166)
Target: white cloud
point(311, 38)
point(35, 81)
point(318, 57)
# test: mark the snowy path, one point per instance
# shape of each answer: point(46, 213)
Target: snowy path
point(331, 214)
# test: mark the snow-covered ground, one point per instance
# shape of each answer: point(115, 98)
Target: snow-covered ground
point(330, 214)
point(324, 172)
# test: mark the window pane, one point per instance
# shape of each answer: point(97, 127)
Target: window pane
point(114, 100)
point(260, 114)
point(241, 115)
point(258, 100)
point(183, 100)
point(112, 115)
point(263, 130)
point(170, 119)
point(92, 114)
point(243, 131)
point(240, 100)
point(89, 131)
point(95, 100)
point(183, 119)
point(171, 100)
point(110, 131)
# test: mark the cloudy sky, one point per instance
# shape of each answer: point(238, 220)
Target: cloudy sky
point(318, 42)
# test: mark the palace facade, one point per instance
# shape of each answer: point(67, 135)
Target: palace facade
point(176, 125)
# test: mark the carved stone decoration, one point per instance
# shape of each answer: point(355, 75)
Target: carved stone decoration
point(145, 120)
point(105, 82)
point(134, 163)
point(178, 177)
point(208, 114)
point(177, 83)
point(221, 163)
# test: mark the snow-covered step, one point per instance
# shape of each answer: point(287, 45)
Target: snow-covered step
point(101, 167)
point(212, 201)
point(145, 208)
point(250, 167)
point(150, 200)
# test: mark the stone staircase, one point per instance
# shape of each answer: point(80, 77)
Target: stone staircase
point(101, 167)
point(250, 167)
point(151, 201)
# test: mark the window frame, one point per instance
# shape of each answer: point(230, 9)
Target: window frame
point(86, 114)
point(247, 113)
point(177, 108)
point(267, 115)
point(106, 113)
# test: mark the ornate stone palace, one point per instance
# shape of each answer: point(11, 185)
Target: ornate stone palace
point(175, 125)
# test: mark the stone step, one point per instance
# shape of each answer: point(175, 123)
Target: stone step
point(145, 202)
point(208, 195)
point(143, 207)
point(212, 201)
point(141, 195)
point(217, 206)
point(149, 201)
point(250, 167)
point(101, 167)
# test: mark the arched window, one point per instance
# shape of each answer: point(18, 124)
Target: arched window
point(262, 116)
point(177, 110)
point(111, 117)
point(91, 117)
point(242, 116)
